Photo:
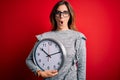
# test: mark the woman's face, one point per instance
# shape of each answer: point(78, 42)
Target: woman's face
point(62, 17)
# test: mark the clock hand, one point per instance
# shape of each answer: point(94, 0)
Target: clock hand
point(45, 52)
point(54, 53)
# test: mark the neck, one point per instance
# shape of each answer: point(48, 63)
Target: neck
point(61, 28)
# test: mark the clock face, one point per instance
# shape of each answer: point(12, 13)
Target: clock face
point(49, 54)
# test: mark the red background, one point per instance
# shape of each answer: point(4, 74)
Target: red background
point(21, 20)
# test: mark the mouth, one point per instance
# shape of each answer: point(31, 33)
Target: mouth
point(61, 22)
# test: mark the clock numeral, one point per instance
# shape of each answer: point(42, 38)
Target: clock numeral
point(38, 54)
point(44, 45)
point(54, 67)
point(58, 63)
point(50, 43)
point(43, 64)
point(48, 67)
point(56, 46)
point(39, 60)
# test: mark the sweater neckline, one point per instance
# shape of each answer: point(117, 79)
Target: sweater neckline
point(62, 31)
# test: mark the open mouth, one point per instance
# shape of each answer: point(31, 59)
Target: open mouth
point(61, 22)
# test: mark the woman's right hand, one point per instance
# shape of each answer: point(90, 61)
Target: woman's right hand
point(47, 73)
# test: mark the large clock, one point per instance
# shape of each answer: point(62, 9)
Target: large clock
point(49, 54)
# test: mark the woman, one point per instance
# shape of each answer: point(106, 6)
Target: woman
point(62, 20)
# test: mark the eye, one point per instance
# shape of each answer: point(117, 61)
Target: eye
point(58, 12)
point(65, 12)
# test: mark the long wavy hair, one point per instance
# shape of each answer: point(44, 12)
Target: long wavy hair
point(71, 22)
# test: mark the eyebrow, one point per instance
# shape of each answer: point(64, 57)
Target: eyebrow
point(61, 11)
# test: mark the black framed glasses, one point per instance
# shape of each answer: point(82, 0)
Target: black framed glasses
point(64, 13)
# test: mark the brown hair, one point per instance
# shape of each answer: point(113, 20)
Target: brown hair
point(71, 22)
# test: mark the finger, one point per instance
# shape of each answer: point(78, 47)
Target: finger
point(54, 71)
point(53, 74)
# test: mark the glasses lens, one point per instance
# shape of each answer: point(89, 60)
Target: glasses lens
point(64, 13)
point(57, 13)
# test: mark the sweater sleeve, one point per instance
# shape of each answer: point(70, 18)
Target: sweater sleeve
point(81, 57)
point(29, 60)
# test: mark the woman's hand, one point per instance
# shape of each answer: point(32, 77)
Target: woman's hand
point(47, 73)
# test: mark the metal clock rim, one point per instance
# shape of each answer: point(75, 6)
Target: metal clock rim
point(58, 43)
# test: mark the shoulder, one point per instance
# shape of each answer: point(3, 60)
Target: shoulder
point(78, 34)
point(82, 36)
point(43, 35)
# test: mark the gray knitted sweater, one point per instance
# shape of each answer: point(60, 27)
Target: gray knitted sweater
point(75, 44)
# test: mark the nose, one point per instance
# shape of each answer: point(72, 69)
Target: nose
point(61, 15)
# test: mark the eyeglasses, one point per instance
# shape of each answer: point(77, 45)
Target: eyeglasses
point(64, 13)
